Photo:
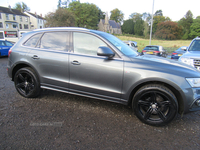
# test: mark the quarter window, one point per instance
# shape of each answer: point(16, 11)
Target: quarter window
point(86, 43)
point(55, 41)
point(33, 40)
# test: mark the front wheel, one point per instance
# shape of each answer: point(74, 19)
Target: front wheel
point(155, 104)
point(27, 83)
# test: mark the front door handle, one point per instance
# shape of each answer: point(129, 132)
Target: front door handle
point(35, 57)
point(75, 62)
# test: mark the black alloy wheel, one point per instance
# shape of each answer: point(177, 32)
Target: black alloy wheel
point(27, 83)
point(155, 104)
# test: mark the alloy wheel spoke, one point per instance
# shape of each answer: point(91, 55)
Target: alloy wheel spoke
point(144, 103)
point(148, 113)
point(165, 103)
point(21, 77)
point(20, 85)
point(161, 115)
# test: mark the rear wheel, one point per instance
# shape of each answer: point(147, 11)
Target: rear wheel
point(155, 104)
point(27, 83)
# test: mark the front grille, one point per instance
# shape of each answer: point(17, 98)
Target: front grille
point(197, 62)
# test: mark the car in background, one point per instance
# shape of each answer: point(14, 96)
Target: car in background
point(132, 44)
point(179, 52)
point(4, 47)
point(192, 55)
point(154, 50)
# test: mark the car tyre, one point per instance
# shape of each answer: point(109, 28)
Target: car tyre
point(27, 83)
point(155, 104)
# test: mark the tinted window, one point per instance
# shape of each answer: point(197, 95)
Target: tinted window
point(86, 43)
point(33, 40)
point(55, 41)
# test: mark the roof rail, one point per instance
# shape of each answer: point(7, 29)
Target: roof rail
point(57, 28)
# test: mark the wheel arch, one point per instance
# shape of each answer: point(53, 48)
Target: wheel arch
point(22, 65)
point(173, 87)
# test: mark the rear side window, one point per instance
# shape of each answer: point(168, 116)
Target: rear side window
point(33, 40)
point(55, 41)
point(151, 48)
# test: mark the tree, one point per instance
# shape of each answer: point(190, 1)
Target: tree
point(136, 16)
point(128, 27)
point(86, 15)
point(168, 30)
point(139, 27)
point(157, 20)
point(186, 22)
point(61, 18)
point(195, 28)
point(21, 7)
point(117, 15)
point(158, 13)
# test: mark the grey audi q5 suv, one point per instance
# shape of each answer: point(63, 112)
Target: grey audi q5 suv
point(98, 65)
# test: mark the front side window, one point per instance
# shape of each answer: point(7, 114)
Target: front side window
point(86, 43)
point(55, 41)
point(33, 40)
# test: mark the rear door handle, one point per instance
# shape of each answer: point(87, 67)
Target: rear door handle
point(75, 62)
point(35, 57)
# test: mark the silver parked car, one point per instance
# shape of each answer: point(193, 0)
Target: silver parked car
point(132, 44)
point(98, 65)
point(192, 55)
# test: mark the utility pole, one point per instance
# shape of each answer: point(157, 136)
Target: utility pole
point(151, 23)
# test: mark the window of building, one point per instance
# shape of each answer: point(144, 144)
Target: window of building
point(20, 26)
point(33, 40)
point(14, 25)
point(14, 17)
point(55, 41)
point(86, 44)
point(1, 25)
point(0, 15)
point(26, 19)
point(20, 18)
point(7, 16)
point(25, 26)
point(7, 26)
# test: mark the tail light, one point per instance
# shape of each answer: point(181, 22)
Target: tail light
point(156, 52)
point(174, 53)
point(144, 51)
point(9, 52)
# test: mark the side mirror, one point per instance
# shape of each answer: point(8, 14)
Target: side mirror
point(105, 51)
point(184, 48)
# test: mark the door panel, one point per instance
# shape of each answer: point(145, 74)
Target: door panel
point(91, 74)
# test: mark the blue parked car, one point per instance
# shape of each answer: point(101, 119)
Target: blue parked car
point(4, 47)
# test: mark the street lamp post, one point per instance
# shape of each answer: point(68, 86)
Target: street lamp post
point(151, 23)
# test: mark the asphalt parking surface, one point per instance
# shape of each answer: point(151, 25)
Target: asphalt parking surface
point(61, 121)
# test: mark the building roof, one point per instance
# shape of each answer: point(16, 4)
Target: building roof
point(112, 23)
point(35, 15)
point(11, 11)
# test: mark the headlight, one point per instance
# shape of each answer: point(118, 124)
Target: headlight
point(194, 82)
point(187, 61)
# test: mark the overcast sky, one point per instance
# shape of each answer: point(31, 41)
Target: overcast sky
point(174, 9)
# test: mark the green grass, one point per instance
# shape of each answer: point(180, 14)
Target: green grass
point(169, 45)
